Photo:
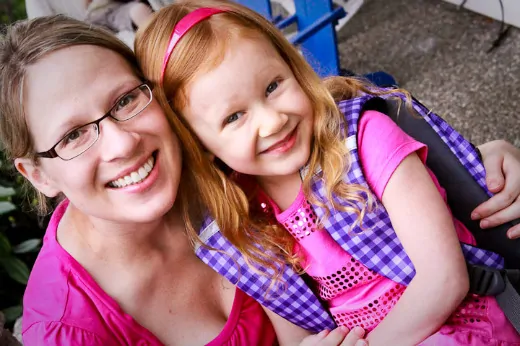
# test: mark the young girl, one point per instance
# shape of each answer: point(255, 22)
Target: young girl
point(357, 203)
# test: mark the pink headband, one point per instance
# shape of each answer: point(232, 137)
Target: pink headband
point(182, 27)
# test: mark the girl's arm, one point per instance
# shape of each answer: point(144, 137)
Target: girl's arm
point(289, 334)
point(425, 228)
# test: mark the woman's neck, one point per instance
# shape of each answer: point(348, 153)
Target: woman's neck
point(119, 242)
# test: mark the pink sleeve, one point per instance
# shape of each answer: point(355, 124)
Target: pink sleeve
point(57, 333)
point(382, 146)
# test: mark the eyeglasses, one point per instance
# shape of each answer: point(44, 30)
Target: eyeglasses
point(79, 140)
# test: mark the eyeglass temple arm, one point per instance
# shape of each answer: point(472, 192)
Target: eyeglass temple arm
point(48, 154)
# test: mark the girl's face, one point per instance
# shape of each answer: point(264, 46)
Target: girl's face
point(251, 112)
point(132, 172)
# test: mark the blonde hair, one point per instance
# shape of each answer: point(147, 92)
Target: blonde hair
point(203, 48)
point(23, 44)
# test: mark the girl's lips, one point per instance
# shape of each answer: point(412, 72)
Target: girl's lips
point(284, 145)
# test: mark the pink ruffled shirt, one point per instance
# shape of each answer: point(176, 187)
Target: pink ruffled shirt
point(64, 306)
point(357, 296)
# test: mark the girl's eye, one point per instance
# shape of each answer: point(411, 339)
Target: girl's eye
point(233, 117)
point(271, 87)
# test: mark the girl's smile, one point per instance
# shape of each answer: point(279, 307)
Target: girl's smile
point(250, 111)
point(284, 145)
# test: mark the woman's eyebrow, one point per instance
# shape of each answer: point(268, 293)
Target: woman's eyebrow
point(121, 89)
point(76, 120)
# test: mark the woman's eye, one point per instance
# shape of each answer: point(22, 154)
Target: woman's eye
point(125, 101)
point(234, 117)
point(271, 87)
point(74, 136)
point(71, 137)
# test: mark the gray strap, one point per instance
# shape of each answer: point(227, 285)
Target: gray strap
point(509, 301)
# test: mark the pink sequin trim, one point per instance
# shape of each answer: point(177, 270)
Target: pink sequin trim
point(472, 311)
point(350, 275)
point(302, 222)
point(372, 314)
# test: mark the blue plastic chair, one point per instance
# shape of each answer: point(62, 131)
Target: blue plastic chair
point(316, 35)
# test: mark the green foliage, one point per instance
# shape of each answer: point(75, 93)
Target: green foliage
point(20, 240)
point(11, 11)
point(20, 232)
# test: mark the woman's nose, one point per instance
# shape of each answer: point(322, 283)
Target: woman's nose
point(116, 140)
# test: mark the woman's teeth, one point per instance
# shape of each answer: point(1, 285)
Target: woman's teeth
point(136, 176)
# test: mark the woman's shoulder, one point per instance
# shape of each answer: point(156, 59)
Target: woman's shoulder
point(55, 303)
point(46, 293)
point(58, 298)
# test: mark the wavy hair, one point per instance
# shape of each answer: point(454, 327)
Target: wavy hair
point(201, 49)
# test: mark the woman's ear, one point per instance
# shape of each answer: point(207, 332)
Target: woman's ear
point(36, 176)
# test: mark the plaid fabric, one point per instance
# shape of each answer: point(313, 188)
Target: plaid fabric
point(294, 301)
point(377, 245)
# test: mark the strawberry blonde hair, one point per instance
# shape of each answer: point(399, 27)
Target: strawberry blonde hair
point(203, 48)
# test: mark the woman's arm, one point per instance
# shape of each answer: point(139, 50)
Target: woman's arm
point(289, 334)
point(502, 163)
point(425, 228)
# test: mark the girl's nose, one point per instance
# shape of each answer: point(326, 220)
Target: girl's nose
point(270, 122)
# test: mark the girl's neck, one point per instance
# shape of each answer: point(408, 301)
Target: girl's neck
point(282, 189)
point(116, 242)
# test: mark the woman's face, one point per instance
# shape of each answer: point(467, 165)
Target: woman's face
point(132, 172)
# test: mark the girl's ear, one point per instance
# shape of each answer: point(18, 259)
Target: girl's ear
point(210, 156)
point(222, 166)
point(36, 176)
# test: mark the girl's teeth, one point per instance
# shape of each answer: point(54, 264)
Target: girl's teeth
point(147, 167)
point(142, 172)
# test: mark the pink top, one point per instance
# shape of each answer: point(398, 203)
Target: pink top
point(356, 295)
point(63, 305)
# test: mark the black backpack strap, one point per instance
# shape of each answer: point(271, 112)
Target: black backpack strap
point(464, 193)
point(453, 177)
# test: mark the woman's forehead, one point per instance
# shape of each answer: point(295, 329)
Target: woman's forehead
point(72, 83)
point(78, 65)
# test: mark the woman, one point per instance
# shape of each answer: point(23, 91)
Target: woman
point(116, 267)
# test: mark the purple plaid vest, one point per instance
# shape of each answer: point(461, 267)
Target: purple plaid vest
point(376, 246)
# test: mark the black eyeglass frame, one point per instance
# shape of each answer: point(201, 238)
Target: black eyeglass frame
point(51, 153)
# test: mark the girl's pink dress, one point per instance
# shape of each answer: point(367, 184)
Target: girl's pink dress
point(357, 296)
point(63, 305)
